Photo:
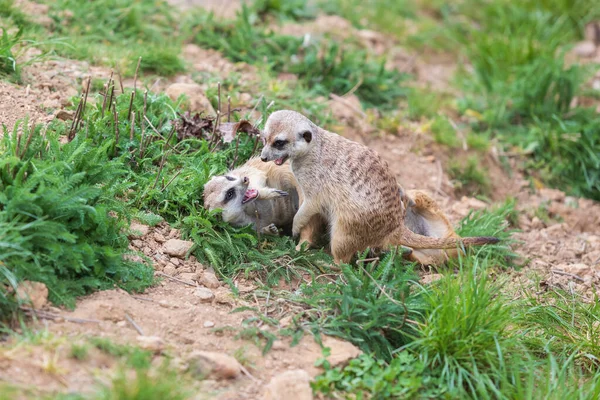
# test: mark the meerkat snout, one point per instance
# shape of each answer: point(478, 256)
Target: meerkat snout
point(287, 136)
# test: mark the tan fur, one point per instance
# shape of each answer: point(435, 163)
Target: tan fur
point(348, 185)
point(277, 200)
point(435, 223)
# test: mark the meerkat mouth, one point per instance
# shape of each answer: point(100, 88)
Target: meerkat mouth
point(281, 160)
point(250, 195)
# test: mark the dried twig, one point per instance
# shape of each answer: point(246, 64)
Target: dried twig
point(162, 164)
point(116, 119)
point(171, 180)
point(162, 137)
point(112, 93)
point(136, 74)
point(131, 102)
point(249, 375)
point(559, 272)
point(87, 91)
point(49, 315)
point(228, 108)
point(121, 81)
point(175, 279)
point(72, 129)
point(132, 125)
point(136, 326)
point(218, 97)
point(143, 122)
point(142, 298)
point(106, 89)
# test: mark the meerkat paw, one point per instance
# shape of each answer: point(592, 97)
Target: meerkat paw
point(270, 230)
point(269, 194)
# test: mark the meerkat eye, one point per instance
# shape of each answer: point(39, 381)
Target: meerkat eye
point(279, 144)
point(230, 194)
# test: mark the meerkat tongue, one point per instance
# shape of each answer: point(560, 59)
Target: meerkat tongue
point(250, 194)
point(279, 161)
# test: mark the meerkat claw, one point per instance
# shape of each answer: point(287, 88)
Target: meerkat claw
point(272, 229)
point(282, 193)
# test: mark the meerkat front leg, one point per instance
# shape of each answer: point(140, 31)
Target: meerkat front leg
point(267, 193)
point(303, 217)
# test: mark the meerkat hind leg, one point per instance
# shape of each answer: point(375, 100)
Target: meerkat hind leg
point(309, 231)
point(270, 229)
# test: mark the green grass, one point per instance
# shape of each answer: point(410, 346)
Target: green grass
point(469, 176)
point(79, 351)
point(164, 384)
point(324, 67)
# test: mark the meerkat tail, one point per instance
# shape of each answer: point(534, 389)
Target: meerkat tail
point(416, 241)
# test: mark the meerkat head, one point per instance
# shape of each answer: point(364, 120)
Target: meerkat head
point(230, 194)
point(287, 134)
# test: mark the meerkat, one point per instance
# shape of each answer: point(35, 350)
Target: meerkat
point(258, 194)
point(424, 217)
point(348, 185)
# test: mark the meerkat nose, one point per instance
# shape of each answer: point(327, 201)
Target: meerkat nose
point(264, 159)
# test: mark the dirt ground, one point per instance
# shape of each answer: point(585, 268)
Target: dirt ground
point(193, 312)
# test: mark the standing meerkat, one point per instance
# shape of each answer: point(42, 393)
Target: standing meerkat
point(348, 185)
point(256, 193)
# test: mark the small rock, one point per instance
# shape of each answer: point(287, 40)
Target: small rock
point(427, 279)
point(138, 230)
point(189, 277)
point(210, 280)
point(224, 297)
point(290, 385)
point(209, 324)
point(175, 261)
point(341, 351)
point(198, 102)
point(217, 365)
point(245, 98)
point(552, 194)
point(279, 345)
point(286, 321)
point(64, 115)
point(170, 269)
point(173, 233)
point(205, 295)
point(34, 293)
point(585, 49)
point(121, 324)
point(151, 343)
point(137, 243)
point(159, 237)
point(177, 247)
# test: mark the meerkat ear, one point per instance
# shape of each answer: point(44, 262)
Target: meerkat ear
point(307, 135)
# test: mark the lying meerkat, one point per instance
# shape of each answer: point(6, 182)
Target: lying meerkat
point(256, 193)
point(424, 217)
point(348, 185)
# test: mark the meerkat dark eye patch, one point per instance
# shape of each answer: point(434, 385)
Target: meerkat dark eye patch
point(229, 195)
point(279, 144)
point(229, 178)
point(307, 135)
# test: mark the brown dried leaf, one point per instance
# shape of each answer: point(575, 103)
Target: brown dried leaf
point(229, 130)
point(193, 126)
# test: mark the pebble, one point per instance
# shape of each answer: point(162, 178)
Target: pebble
point(205, 295)
point(289, 385)
point(151, 343)
point(177, 247)
point(159, 237)
point(138, 230)
point(216, 365)
point(170, 269)
point(209, 324)
point(210, 280)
